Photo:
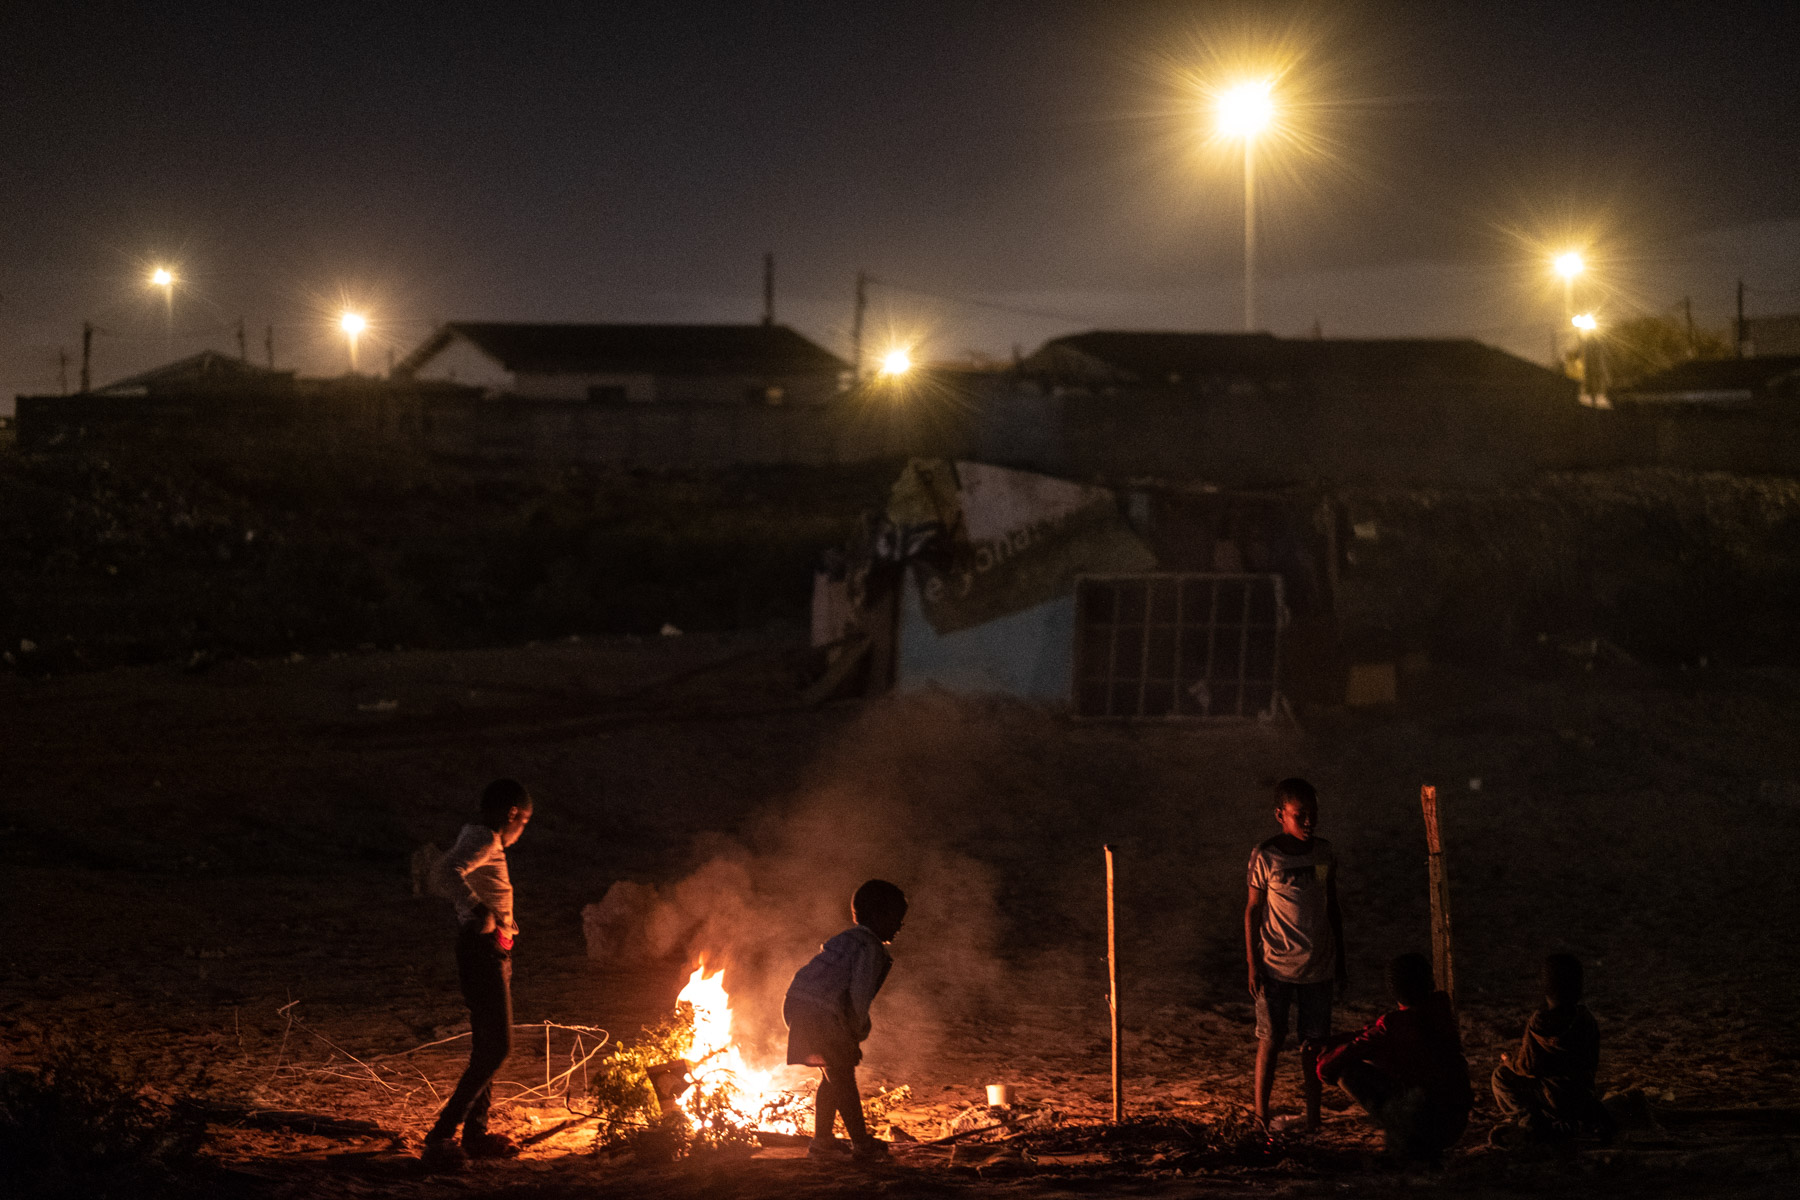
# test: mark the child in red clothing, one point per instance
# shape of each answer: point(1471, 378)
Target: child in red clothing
point(1407, 1069)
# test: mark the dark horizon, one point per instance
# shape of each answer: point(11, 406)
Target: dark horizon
point(427, 164)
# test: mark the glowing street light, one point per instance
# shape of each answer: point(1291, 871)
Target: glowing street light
point(1591, 391)
point(1245, 111)
point(353, 325)
point(895, 363)
point(1569, 264)
point(164, 278)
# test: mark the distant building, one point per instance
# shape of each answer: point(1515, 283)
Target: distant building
point(1763, 380)
point(205, 372)
point(1772, 336)
point(1242, 364)
point(1253, 409)
point(631, 364)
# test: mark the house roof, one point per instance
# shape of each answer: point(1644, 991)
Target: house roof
point(1153, 358)
point(1719, 380)
point(206, 370)
point(634, 349)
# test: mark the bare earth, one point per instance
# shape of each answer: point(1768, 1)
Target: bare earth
point(210, 882)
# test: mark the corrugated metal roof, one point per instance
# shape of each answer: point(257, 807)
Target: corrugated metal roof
point(206, 370)
point(1160, 358)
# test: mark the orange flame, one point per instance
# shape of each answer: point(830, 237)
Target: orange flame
point(756, 1100)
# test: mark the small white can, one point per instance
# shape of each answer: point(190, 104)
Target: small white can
point(1000, 1095)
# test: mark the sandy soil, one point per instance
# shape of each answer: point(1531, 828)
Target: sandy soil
point(210, 881)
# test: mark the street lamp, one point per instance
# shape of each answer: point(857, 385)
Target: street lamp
point(1245, 111)
point(164, 278)
point(352, 324)
point(1585, 325)
point(895, 363)
point(1568, 264)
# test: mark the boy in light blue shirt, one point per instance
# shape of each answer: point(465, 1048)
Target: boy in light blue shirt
point(827, 1013)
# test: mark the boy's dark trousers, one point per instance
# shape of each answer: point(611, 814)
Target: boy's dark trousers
point(485, 971)
point(837, 1096)
point(1549, 1105)
point(1414, 1127)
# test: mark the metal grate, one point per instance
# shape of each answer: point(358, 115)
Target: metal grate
point(1168, 646)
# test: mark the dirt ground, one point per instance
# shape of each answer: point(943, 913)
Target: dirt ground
point(210, 882)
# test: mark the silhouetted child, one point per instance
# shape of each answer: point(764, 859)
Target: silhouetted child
point(1293, 941)
point(827, 1014)
point(474, 875)
point(1407, 1069)
point(1548, 1091)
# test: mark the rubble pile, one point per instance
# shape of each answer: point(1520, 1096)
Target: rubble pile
point(131, 556)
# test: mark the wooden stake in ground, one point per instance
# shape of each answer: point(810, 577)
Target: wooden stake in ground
point(1443, 969)
point(1112, 993)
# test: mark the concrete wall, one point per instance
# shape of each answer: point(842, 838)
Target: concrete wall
point(680, 436)
point(1423, 432)
point(1417, 436)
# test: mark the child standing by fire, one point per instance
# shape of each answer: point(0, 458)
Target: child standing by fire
point(474, 875)
point(1293, 942)
point(827, 1014)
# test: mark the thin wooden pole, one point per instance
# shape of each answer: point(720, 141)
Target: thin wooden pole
point(1443, 968)
point(1112, 995)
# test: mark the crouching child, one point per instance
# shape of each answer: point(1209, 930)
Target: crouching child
point(1548, 1091)
point(1407, 1069)
point(827, 1014)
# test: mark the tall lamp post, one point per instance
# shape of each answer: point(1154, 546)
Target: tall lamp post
point(353, 325)
point(164, 278)
point(1569, 264)
point(1585, 325)
point(1244, 112)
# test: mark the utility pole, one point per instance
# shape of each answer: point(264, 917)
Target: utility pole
point(768, 289)
point(269, 345)
point(1687, 314)
point(1739, 333)
point(856, 326)
point(243, 354)
point(62, 370)
point(87, 351)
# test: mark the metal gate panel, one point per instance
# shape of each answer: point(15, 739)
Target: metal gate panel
point(1177, 646)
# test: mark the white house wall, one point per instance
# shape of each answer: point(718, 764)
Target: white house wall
point(639, 388)
point(680, 389)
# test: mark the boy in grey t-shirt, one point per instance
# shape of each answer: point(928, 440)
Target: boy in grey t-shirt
point(1293, 941)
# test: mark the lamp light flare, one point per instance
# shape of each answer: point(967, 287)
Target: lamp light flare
point(1569, 265)
point(352, 323)
point(1584, 322)
point(896, 362)
point(162, 277)
point(1247, 109)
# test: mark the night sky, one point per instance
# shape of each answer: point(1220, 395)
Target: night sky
point(634, 161)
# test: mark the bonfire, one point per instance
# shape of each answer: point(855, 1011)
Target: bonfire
point(712, 1082)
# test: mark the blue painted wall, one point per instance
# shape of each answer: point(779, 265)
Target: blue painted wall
point(1029, 654)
